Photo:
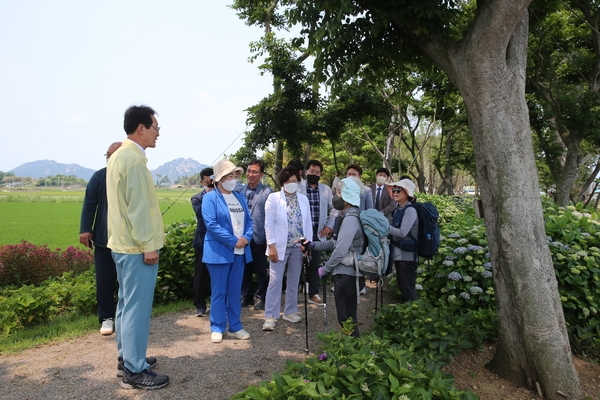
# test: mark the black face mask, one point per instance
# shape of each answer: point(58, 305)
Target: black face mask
point(338, 203)
point(312, 179)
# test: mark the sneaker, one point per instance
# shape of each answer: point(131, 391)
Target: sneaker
point(241, 334)
point(247, 301)
point(259, 305)
point(293, 317)
point(269, 324)
point(316, 299)
point(121, 365)
point(201, 312)
point(363, 291)
point(333, 288)
point(216, 337)
point(108, 327)
point(146, 379)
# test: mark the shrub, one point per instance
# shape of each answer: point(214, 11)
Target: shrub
point(26, 263)
point(176, 266)
point(28, 305)
point(365, 367)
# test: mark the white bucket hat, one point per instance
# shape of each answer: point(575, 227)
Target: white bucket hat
point(405, 184)
point(225, 167)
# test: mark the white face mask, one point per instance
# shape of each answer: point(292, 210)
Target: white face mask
point(229, 185)
point(381, 180)
point(290, 187)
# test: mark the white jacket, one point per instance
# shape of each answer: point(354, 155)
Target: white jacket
point(276, 220)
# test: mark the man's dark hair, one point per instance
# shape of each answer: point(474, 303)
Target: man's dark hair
point(136, 115)
point(405, 177)
point(355, 167)
point(384, 170)
point(314, 162)
point(286, 174)
point(260, 163)
point(206, 172)
point(296, 164)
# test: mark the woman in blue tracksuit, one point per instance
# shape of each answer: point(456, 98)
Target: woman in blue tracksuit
point(226, 251)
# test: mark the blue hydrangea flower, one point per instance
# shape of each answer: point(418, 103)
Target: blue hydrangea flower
point(448, 263)
point(475, 290)
point(459, 250)
point(549, 238)
point(420, 270)
point(454, 235)
point(467, 278)
point(450, 258)
point(454, 276)
point(556, 244)
point(487, 266)
point(439, 275)
point(465, 295)
point(462, 241)
point(418, 286)
point(474, 248)
point(486, 274)
point(487, 255)
point(585, 234)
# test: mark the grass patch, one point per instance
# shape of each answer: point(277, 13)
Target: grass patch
point(69, 326)
point(56, 224)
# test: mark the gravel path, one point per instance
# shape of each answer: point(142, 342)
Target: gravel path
point(84, 368)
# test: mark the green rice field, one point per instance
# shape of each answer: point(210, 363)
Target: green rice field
point(52, 217)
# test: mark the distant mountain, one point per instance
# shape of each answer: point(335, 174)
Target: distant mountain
point(178, 167)
point(44, 168)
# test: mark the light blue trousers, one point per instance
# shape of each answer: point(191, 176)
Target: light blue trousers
point(293, 259)
point(226, 292)
point(134, 309)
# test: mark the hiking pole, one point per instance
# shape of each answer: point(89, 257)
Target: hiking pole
point(305, 289)
point(324, 304)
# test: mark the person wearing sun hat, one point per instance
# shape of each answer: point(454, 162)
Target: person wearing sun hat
point(403, 230)
point(226, 251)
point(347, 237)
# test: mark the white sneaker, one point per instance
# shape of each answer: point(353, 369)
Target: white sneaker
point(363, 291)
point(333, 288)
point(107, 327)
point(269, 324)
point(293, 317)
point(241, 334)
point(216, 337)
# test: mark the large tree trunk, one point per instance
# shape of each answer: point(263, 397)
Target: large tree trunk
point(569, 172)
point(488, 68)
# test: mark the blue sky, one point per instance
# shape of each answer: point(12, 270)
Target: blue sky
point(70, 68)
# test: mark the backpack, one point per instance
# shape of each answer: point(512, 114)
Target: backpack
point(427, 241)
point(375, 256)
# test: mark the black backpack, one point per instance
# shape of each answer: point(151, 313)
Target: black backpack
point(427, 241)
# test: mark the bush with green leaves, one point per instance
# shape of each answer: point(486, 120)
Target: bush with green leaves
point(574, 239)
point(30, 304)
point(358, 368)
point(176, 265)
point(26, 263)
point(436, 332)
point(461, 274)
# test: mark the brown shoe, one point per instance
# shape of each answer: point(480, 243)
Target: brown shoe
point(316, 299)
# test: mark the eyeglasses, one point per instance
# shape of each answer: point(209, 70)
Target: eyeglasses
point(396, 190)
point(155, 127)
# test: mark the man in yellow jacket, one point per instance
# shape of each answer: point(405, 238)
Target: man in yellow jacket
point(135, 235)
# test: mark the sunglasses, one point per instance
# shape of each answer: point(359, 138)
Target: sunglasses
point(396, 190)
